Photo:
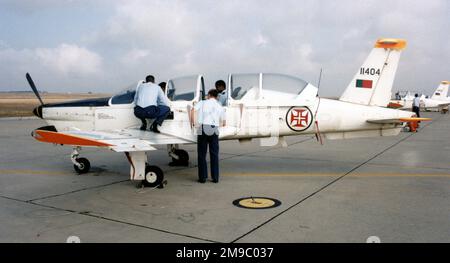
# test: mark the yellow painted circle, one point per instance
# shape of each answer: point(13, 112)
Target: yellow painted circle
point(256, 202)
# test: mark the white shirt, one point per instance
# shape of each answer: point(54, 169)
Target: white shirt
point(222, 98)
point(210, 112)
point(150, 94)
point(416, 102)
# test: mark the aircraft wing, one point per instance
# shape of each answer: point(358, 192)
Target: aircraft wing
point(397, 120)
point(443, 105)
point(124, 140)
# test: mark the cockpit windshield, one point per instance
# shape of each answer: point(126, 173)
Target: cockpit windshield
point(126, 96)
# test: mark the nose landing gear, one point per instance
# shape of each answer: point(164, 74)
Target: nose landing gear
point(80, 164)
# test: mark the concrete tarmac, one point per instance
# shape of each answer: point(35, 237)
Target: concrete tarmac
point(395, 188)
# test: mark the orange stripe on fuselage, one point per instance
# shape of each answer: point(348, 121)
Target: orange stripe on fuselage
point(60, 138)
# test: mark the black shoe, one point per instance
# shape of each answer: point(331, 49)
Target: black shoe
point(215, 181)
point(154, 128)
point(201, 181)
point(143, 127)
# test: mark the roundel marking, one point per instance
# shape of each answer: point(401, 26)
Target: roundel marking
point(299, 118)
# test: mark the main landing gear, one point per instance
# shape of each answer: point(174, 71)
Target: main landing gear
point(140, 170)
point(80, 164)
point(154, 176)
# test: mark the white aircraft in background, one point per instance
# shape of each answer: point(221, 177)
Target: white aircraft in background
point(437, 102)
point(441, 92)
point(267, 106)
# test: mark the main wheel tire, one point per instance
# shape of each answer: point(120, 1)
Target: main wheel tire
point(85, 166)
point(183, 158)
point(153, 176)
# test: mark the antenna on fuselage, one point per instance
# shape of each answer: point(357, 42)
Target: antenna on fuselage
point(316, 122)
point(318, 82)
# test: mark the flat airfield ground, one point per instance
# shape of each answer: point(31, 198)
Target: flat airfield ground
point(20, 104)
point(395, 188)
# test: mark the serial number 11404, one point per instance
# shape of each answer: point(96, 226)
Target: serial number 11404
point(369, 71)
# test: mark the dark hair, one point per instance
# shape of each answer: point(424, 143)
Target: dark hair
point(220, 83)
point(417, 95)
point(150, 78)
point(162, 85)
point(213, 93)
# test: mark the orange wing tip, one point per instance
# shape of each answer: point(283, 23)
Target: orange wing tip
point(445, 82)
point(392, 43)
point(65, 139)
point(414, 119)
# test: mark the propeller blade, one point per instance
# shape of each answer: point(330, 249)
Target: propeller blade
point(33, 87)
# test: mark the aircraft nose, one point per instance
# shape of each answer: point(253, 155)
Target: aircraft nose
point(38, 111)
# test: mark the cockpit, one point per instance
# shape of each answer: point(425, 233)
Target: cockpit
point(240, 88)
point(247, 87)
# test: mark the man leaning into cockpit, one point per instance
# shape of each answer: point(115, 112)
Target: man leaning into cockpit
point(151, 103)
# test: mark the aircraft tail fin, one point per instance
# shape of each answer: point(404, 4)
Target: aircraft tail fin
point(442, 91)
point(372, 84)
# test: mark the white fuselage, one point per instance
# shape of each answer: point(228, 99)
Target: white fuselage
point(253, 119)
point(426, 104)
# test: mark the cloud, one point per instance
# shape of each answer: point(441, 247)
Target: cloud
point(68, 64)
point(69, 59)
point(214, 38)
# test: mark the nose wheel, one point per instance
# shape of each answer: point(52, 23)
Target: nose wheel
point(83, 165)
point(80, 164)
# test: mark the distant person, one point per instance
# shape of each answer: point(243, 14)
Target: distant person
point(163, 86)
point(151, 103)
point(416, 105)
point(397, 96)
point(207, 116)
point(221, 90)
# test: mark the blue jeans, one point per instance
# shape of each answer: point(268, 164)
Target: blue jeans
point(159, 113)
point(203, 142)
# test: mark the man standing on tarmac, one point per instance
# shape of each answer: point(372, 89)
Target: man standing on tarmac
point(208, 115)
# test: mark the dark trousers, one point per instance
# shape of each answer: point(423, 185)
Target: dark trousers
point(416, 110)
point(205, 140)
point(159, 113)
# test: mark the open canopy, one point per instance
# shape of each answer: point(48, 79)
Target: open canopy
point(241, 87)
point(264, 85)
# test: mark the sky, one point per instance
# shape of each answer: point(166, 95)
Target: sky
point(106, 45)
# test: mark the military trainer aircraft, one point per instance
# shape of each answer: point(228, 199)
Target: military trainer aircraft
point(269, 106)
point(438, 101)
point(442, 92)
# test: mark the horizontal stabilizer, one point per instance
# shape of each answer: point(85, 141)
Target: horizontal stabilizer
point(398, 120)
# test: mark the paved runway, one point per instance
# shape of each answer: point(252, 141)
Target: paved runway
point(396, 188)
